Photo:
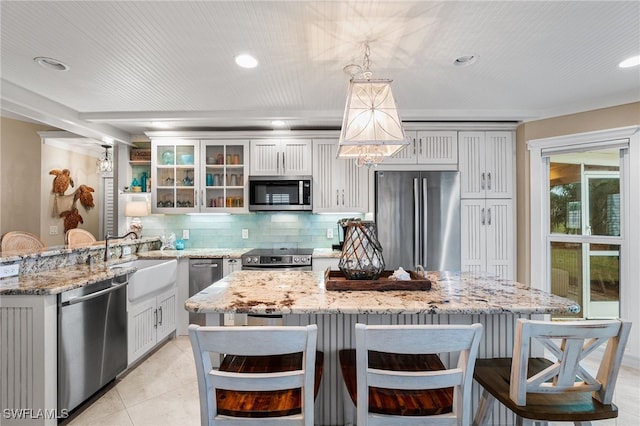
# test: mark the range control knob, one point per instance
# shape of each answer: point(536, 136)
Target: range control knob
point(296, 259)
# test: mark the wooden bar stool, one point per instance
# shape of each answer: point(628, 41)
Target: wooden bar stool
point(395, 377)
point(539, 389)
point(269, 375)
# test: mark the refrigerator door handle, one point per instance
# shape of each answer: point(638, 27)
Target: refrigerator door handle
point(425, 223)
point(417, 254)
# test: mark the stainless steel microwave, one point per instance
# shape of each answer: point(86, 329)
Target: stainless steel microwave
point(274, 193)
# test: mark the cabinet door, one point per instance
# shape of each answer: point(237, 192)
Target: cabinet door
point(166, 306)
point(473, 235)
point(142, 323)
point(486, 164)
point(224, 176)
point(487, 236)
point(265, 157)
point(499, 159)
point(174, 166)
point(296, 157)
point(472, 164)
point(352, 189)
point(408, 154)
point(437, 147)
point(338, 185)
point(500, 236)
point(324, 195)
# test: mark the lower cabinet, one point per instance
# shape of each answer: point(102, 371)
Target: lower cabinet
point(322, 263)
point(487, 236)
point(150, 321)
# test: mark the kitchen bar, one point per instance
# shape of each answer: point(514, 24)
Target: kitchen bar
point(454, 298)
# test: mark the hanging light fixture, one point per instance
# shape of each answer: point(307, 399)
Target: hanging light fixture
point(104, 164)
point(371, 126)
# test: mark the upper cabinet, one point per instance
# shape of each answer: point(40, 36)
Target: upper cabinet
point(190, 176)
point(281, 157)
point(338, 185)
point(486, 164)
point(428, 147)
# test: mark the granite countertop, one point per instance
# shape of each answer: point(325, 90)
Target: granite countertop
point(195, 253)
point(59, 280)
point(304, 293)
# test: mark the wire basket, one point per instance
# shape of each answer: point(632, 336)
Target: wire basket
point(361, 257)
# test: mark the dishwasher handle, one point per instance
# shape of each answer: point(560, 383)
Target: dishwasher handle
point(80, 299)
point(204, 265)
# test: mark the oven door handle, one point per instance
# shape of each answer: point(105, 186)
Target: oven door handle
point(74, 300)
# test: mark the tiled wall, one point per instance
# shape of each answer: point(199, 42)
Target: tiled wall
point(266, 230)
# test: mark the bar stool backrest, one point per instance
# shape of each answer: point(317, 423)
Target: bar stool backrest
point(254, 341)
point(569, 342)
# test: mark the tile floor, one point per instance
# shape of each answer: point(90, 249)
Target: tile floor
point(162, 391)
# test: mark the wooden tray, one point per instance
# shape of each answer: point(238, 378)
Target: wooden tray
point(335, 280)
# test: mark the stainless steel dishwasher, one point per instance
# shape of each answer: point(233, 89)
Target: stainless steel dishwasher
point(202, 273)
point(92, 339)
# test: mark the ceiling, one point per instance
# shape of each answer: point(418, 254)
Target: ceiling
point(132, 63)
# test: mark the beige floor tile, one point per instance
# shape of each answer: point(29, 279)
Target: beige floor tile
point(106, 406)
point(118, 418)
point(179, 407)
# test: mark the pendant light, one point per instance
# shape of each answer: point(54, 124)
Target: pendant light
point(104, 164)
point(371, 126)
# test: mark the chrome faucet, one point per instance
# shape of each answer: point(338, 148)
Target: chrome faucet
point(113, 237)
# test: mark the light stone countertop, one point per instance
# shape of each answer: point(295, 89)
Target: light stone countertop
point(304, 293)
point(59, 280)
point(195, 253)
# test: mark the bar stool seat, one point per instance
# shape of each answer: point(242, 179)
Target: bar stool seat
point(260, 403)
point(398, 402)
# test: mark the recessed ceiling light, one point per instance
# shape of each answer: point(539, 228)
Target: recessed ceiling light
point(50, 63)
point(246, 61)
point(278, 123)
point(465, 60)
point(633, 61)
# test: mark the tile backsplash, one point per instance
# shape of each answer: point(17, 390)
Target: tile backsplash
point(266, 230)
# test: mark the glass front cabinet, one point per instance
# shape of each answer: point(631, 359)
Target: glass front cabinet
point(199, 176)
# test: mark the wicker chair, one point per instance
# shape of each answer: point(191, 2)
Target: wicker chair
point(79, 238)
point(20, 242)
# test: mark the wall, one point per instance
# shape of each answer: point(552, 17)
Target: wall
point(20, 180)
point(266, 230)
point(83, 172)
point(603, 119)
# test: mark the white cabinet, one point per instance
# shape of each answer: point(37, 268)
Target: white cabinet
point(338, 185)
point(322, 263)
point(428, 147)
point(150, 321)
point(487, 232)
point(281, 157)
point(230, 265)
point(486, 164)
point(199, 176)
point(174, 177)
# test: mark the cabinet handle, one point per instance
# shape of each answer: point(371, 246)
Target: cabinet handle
point(283, 167)
point(489, 181)
point(489, 216)
point(337, 197)
point(482, 217)
point(278, 162)
point(414, 147)
point(420, 146)
point(202, 198)
point(482, 181)
point(160, 309)
point(155, 319)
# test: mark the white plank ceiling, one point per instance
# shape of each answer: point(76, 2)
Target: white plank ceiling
point(136, 62)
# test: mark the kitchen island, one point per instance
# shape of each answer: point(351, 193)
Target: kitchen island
point(454, 298)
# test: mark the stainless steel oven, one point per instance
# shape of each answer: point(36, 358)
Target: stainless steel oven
point(279, 259)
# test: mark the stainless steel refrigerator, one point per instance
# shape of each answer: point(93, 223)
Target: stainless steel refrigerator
point(418, 219)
